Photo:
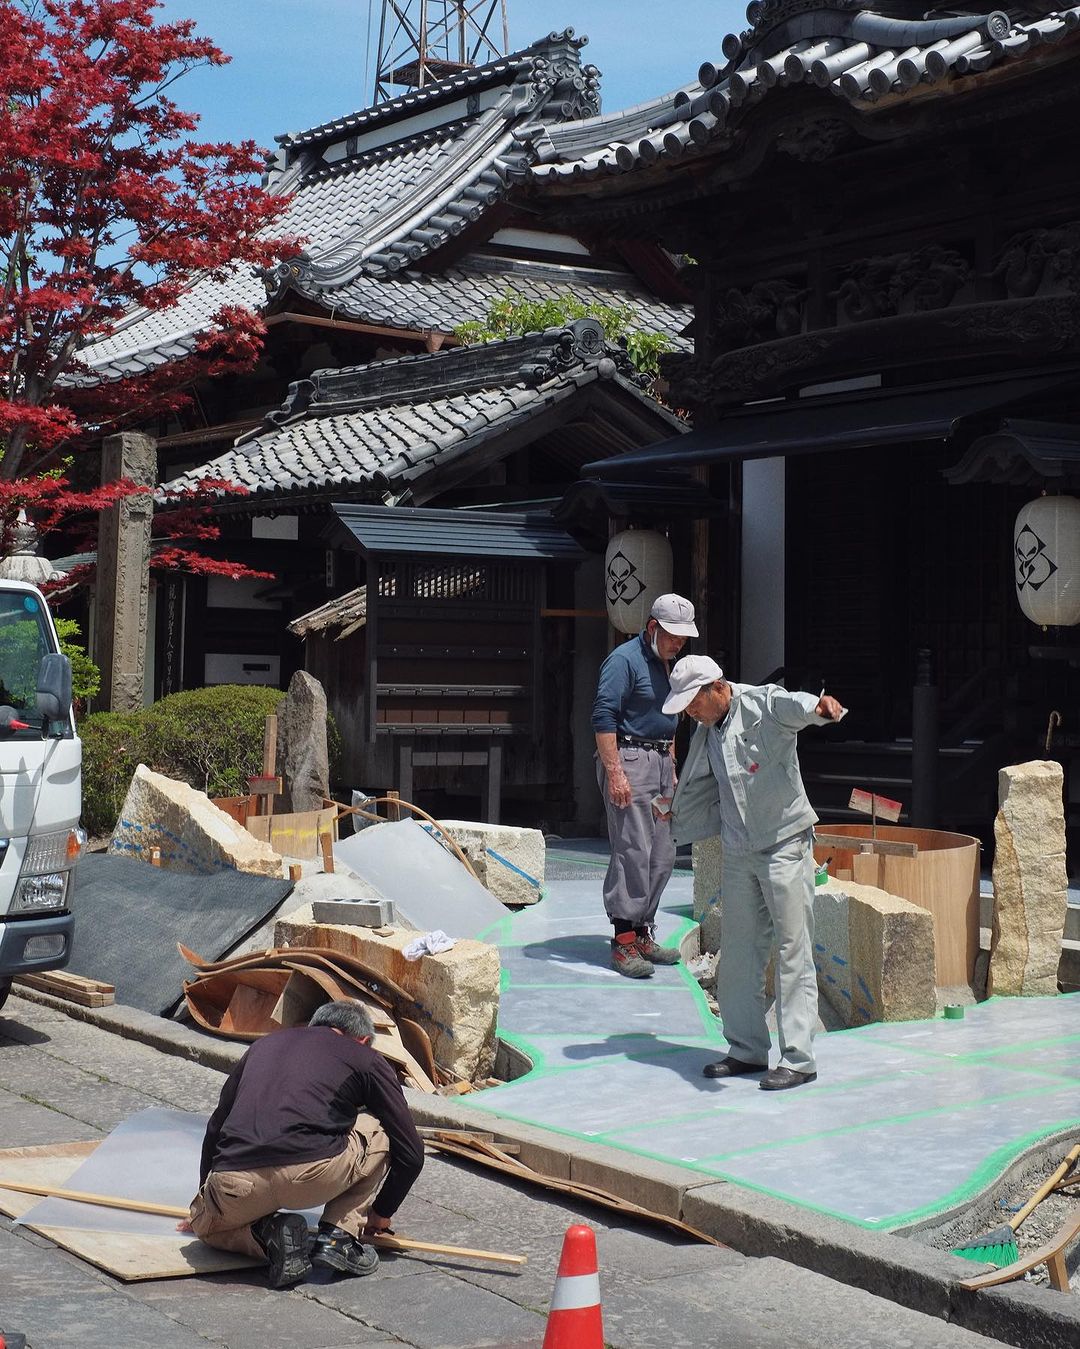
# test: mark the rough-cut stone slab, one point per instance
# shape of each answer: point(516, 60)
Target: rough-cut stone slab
point(302, 756)
point(522, 849)
point(874, 954)
point(708, 857)
point(874, 951)
point(193, 835)
point(458, 990)
point(1030, 881)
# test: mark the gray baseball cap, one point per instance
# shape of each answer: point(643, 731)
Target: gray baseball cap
point(688, 676)
point(675, 615)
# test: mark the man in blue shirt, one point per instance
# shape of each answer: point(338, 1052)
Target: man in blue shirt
point(635, 767)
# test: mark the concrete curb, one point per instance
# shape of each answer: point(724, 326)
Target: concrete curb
point(892, 1267)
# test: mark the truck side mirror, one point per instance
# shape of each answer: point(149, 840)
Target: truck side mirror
point(54, 687)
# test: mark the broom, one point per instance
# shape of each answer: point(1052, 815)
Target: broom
point(998, 1247)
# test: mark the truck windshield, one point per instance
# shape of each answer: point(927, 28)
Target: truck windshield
point(24, 639)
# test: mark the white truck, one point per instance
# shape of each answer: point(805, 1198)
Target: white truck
point(40, 789)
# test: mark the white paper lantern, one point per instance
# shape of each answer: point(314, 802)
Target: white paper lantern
point(1046, 560)
point(637, 568)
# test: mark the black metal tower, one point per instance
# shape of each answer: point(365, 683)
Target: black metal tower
point(421, 41)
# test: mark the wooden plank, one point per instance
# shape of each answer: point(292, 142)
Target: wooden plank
point(124, 1255)
point(326, 844)
point(854, 843)
point(296, 833)
point(83, 997)
point(578, 1189)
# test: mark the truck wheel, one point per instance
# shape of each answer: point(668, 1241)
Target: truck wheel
point(5, 989)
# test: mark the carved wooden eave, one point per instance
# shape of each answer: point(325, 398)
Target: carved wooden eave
point(1040, 329)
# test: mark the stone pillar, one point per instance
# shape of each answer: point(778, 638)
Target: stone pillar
point(302, 758)
point(123, 572)
point(1030, 881)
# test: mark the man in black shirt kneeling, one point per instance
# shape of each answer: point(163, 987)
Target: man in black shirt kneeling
point(310, 1115)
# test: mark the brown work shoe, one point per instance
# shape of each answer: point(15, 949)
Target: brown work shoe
point(655, 955)
point(627, 959)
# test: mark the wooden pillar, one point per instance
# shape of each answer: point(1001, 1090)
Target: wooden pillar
point(123, 572)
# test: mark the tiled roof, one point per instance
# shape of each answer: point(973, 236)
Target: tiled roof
point(379, 191)
point(869, 60)
point(392, 421)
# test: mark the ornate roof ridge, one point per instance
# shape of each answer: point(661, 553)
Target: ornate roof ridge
point(531, 359)
point(861, 57)
point(451, 87)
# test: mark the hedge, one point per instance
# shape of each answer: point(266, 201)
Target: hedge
point(210, 738)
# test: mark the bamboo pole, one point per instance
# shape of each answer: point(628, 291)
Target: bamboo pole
point(382, 1240)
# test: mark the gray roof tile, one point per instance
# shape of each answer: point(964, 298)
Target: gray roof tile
point(858, 56)
point(366, 426)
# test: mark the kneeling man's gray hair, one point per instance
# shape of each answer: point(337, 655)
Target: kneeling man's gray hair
point(353, 1018)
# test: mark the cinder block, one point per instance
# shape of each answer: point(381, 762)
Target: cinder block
point(507, 860)
point(359, 912)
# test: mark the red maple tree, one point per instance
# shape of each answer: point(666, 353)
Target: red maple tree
point(107, 202)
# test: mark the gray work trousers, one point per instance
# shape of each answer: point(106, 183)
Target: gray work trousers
point(769, 894)
point(642, 850)
point(230, 1201)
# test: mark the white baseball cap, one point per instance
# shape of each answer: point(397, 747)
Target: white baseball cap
point(687, 676)
point(675, 615)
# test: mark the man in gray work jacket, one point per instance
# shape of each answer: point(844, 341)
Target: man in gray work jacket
point(635, 767)
point(741, 780)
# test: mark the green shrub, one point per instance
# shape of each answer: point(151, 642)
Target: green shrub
point(211, 738)
point(110, 744)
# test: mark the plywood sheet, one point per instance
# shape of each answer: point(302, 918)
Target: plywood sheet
point(125, 1255)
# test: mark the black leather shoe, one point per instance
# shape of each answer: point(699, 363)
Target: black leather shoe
point(283, 1240)
point(729, 1067)
point(780, 1079)
point(335, 1249)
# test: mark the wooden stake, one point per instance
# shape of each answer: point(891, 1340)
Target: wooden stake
point(155, 857)
point(326, 843)
point(269, 759)
point(295, 872)
point(390, 1243)
point(393, 810)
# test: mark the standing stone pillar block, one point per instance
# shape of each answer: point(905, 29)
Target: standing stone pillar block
point(302, 755)
point(123, 572)
point(1030, 881)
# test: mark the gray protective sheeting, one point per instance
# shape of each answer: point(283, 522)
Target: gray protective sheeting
point(428, 885)
point(129, 917)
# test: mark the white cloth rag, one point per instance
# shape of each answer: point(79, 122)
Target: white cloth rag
point(430, 944)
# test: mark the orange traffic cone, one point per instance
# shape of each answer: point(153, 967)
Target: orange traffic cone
point(574, 1321)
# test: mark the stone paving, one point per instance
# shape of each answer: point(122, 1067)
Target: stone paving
point(64, 1080)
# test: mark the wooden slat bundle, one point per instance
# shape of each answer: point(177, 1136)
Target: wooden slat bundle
point(71, 987)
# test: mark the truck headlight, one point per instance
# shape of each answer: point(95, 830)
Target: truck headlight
point(45, 874)
point(34, 893)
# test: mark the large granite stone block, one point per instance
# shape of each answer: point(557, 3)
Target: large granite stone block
point(302, 755)
point(192, 834)
point(507, 860)
point(708, 859)
point(457, 990)
point(1030, 881)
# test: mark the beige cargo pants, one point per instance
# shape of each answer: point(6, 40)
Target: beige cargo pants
point(230, 1201)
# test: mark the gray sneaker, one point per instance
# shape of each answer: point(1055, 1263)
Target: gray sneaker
point(656, 955)
point(628, 960)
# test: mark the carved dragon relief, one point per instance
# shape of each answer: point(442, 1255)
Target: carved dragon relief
point(1046, 260)
point(766, 310)
point(877, 287)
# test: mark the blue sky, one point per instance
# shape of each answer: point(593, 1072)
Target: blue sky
point(300, 62)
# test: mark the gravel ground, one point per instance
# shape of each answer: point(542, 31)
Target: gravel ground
point(1036, 1229)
